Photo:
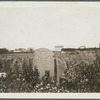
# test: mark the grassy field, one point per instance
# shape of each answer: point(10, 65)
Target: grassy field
point(82, 74)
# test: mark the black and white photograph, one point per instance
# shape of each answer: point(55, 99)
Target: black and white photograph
point(50, 47)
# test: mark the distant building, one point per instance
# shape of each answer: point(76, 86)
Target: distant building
point(20, 50)
point(58, 48)
point(24, 50)
point(82, 47)
point(16, 50)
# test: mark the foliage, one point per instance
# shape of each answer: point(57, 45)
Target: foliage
point(80, 76)
point(3, 50)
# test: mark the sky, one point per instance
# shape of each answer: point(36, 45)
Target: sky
point(49, 24)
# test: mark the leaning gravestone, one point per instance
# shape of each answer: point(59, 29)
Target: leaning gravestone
point(61, 66)
point(43, 60)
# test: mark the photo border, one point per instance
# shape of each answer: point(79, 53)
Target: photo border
point(84, 96)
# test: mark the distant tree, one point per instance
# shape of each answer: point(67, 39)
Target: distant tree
point(1, 65)
point(7, 66)
point(3, 50)
point(16, 68)
point(27, 70)
point(30, 50)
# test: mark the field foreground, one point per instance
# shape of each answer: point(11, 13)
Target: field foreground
point(82, 73)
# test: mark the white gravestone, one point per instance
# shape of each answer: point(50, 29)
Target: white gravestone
point(43, 60)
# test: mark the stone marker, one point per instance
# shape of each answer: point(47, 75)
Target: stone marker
point(43, 60)
point(61, 66)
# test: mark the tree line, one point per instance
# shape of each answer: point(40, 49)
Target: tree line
point(5, 50)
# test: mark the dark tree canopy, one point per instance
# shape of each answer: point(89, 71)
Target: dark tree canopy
point(3, 50)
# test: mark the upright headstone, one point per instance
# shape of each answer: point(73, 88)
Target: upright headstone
point(43, 60)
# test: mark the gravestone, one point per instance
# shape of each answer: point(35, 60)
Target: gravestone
point(43, 60)
point(61, 66)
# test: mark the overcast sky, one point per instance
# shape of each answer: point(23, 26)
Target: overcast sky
point(44, 25)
